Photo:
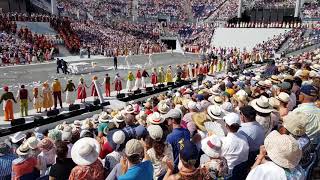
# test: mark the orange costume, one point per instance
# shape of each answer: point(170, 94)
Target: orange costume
point(7, 98)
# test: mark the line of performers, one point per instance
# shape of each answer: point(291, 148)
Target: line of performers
point(50, 96)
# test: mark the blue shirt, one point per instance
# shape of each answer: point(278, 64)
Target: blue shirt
point(141, 171)
point(254, 133)
point(6, 164)
point(176, 139)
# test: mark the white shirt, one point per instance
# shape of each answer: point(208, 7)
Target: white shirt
point(235, 149)
point(267, 171)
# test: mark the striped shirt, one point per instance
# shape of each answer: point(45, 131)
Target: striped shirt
point(5, 165)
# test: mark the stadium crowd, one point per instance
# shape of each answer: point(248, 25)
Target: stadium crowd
point(264, 118)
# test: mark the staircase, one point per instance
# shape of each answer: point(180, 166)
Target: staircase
point(212, 16)
point(187, 9)
point(135, 10)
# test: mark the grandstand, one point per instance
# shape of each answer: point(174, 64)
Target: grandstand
point(199, 89)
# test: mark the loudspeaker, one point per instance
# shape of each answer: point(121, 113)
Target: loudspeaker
point(73, 107)
point(96, 102)
point(138, 91)
point(149, 89)
point(161, 86)
point(121, 95)
point(105, 104)
point(54, 112)
point(38, 119)
point(170, 83)
point(17, 122)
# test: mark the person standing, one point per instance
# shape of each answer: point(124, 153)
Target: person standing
point(59, 64)
point(81, 90)
point(70, 88)
point(94, 92)
point(8, 99)
point(89, 52)
point(64, 66)
point(107, 85)
point(23, 96)
point(138, 79)
point(117, 83)
point(56, 88)
point(161, 75)
point(154, 78)
point(37, 102)
point(47, 96)
point(144, 76)
point(130, 82)
point(115, 62)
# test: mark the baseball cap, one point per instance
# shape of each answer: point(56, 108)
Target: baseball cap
point(232, 118)
point(173, 113)
point(134, 147)
point(189, 152)
point(309, 90)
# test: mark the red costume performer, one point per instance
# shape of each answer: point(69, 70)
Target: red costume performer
point(81, 93)
point(94, 92)
point(117, 83)
point(154, 78)
point(107, 85)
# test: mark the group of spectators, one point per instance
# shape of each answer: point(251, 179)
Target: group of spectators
point(22, 46)
point(311, 10)
point(259, 124)
point(303, 40)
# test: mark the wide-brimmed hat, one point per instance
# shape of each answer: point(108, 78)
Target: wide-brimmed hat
point(216, 100)
point(283, 97)
point(199, 119)
point(274, 79)
point(54, 134)
point(163, 108)
point(118, 118)
point(45, 144)
point(295, 123)
point(32, 142)
point(261, 105)
point(227, 107)
point(104, 117)
point(85, 151)
point(129, 109)
point(23, 149)
point(211, 146)
point(19, 136)
point(215, 128)
point(232, 118)
point(215, 112)
point(274, 102)
point(155, 118)
point(283, 150)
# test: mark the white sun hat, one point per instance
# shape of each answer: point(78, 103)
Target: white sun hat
point(85, 151)
point(155, 118)
point(211, 146)
point(261, 105)
point(215, 112)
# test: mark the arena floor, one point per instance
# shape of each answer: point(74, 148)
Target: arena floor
point(33, 75)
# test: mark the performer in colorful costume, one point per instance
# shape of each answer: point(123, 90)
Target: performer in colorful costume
point(37, 100)
point(144, 75)
point(138, 83)
point(117, 83)
point(47, 96)
point(161, 76)
point(154, 78)
point(130, 81)
point(7, 98)
point(81, 90)
point(107, 85)
point(70, 89)
point(169, 75)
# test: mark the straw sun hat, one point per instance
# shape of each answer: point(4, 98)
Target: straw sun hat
point(283, 150)
point(261, 105)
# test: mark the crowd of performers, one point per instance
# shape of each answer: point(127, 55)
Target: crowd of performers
point(47, 97)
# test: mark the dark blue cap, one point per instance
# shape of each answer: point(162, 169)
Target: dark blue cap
point(309, 90)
